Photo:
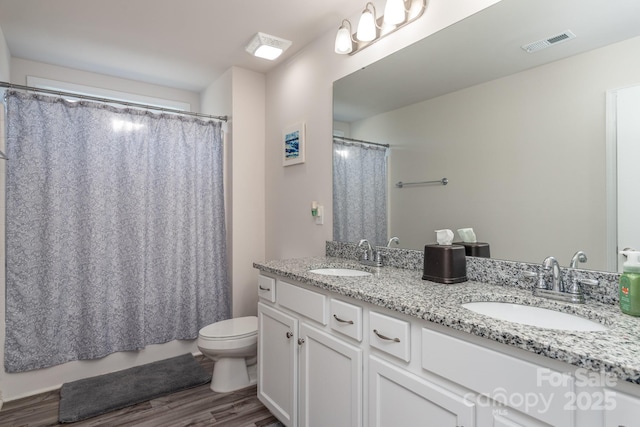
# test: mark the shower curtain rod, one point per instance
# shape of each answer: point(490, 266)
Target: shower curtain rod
point(360, 140)
point(111, 101)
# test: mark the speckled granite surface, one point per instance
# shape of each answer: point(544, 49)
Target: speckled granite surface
point(616, 351)
point(486, 270)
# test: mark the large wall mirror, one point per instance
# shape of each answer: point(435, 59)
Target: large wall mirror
point(520, 136)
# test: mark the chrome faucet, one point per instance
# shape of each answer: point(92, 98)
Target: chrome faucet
point(578, 257)
point(572, 292)
point(369, 255)
point(550, 263)
point(393, 240)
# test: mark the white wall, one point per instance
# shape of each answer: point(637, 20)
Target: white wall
point(301, 90)
point(217, 99)
point(530, 142)
point(21, 68)
point(245, 184)
point(14, 386)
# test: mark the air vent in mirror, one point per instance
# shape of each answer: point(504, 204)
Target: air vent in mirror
point(541, 44)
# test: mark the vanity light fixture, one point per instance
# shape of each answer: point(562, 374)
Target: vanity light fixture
point(267, 46)
point(371, 28)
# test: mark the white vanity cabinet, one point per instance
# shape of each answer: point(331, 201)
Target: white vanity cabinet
point(329, 360)
point(307, 375)
point(400, 398)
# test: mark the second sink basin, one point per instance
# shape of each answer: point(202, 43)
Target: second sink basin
point(340, 272)
point(534, 316)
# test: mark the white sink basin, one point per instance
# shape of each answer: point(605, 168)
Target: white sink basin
point(340, 272)
point(534, 316)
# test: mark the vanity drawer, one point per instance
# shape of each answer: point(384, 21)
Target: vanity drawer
point(390, 335)
point(346, 319)
point(267, 288)
point(501, 377)
point(308, 303)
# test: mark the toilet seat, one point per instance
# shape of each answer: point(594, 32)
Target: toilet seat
point(230, 329)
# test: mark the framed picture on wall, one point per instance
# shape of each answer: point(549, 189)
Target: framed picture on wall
point(293, 144)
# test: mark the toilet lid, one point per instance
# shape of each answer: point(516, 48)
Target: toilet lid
point(238, 327)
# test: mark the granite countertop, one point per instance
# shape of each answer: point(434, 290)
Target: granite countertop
point(615, 351)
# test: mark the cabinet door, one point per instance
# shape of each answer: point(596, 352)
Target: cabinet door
point(621, 410)
point(494, 414)
point(277, 363)
point(399, 398)
point(330, 380)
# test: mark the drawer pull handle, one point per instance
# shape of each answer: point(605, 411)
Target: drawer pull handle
point(342, 320)
point(264, 289)
point(289, 335)
point(375, 331)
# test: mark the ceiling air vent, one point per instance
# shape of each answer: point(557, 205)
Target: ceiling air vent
point(541, 44)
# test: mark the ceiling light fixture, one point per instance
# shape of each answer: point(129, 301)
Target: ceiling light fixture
point(267, 46)
point(371, 28)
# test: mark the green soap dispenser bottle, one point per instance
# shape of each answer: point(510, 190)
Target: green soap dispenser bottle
point(630, 284)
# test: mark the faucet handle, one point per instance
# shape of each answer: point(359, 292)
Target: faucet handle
point(589, 282)
point(535, 275)
point(576, 286)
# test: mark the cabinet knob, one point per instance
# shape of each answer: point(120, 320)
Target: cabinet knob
point(289, 334)
point(300, 341)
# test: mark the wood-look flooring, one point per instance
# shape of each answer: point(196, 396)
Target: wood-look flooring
point(198, 406)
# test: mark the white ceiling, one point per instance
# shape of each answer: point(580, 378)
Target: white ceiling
point(483, 47)
point(184, 44)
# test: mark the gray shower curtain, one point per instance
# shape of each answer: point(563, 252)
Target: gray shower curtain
point(359, 193)
point(115, 233)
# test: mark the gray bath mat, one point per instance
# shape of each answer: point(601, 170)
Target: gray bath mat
point(97, 395)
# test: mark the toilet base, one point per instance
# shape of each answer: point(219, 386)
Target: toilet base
point(231, 374)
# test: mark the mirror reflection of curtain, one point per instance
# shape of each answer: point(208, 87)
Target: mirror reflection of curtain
point(359, 192)
point(115, 230)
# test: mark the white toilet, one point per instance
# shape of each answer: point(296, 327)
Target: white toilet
point(232, 345)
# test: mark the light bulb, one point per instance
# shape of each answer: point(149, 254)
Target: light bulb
point(344, 44)
point(394, 12)
point(366, 26)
